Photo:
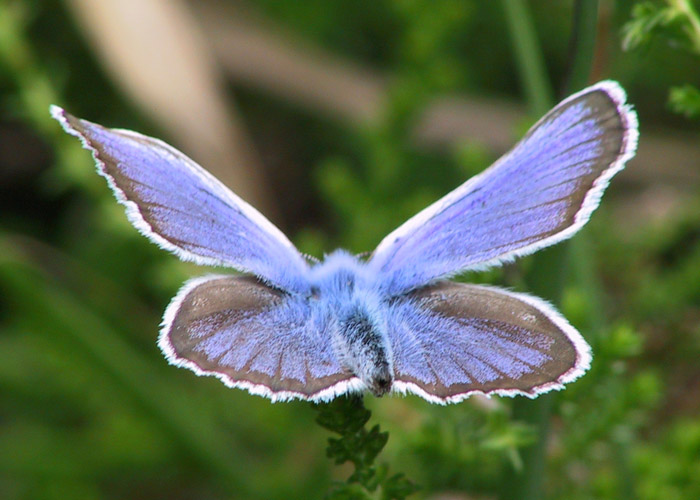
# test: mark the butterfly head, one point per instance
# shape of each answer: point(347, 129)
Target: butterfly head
point(340, 276)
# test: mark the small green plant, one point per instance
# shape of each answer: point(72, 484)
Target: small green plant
point(347, 416)
point(677, 23)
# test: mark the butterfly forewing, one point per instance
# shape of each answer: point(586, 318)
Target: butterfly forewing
point(450, 340)
point(183, 208)
point(255, 337)
point(539, 193)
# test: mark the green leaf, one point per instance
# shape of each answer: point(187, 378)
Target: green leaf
point(647, 19)
point(685, 100)
point(347, 417)
point(398, 487)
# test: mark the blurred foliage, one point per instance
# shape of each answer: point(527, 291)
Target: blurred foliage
point(677, 23)
point(89, 409)
point(685, 100)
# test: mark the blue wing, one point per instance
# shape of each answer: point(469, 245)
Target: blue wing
point(183, 208)
point(541, 192)
point(254, 337)
point(452, 340)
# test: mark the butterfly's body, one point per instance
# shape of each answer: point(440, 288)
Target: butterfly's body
point(392, 323)
point(346, 293)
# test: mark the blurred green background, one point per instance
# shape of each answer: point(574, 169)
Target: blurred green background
point(339, 119)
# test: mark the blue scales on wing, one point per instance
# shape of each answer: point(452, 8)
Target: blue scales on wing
point(542, 191)
point(254, 337)
point(450, 340)
point(183, 208)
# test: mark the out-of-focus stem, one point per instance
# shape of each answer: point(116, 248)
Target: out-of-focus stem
point(686, 7)
point(547, 276)
point(528, 56)
point(582, 45)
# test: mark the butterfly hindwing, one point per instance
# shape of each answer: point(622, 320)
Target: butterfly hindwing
point(254, 337)
point(183, 208)
point(451, 340)
point(542, 191)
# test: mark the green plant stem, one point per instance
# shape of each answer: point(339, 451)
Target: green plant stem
point(686, 7)
point(528, 56)
point(527, 484)
point(581, 261)
point(548, 273)
point(347, 417)
point(582, 44)
point(581, 53)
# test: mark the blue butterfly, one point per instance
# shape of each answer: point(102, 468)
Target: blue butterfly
point(289, 329)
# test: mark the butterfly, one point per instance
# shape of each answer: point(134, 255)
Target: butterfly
point(289, 329)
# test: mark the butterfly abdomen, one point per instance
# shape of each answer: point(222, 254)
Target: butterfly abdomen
point(348, 294)
point(364, 349)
